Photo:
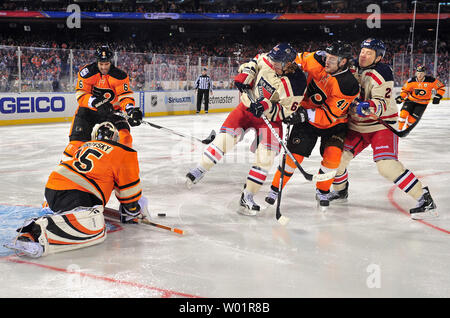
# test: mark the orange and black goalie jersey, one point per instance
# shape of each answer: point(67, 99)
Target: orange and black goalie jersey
point(115, 85)
point(328, 96)
point(421, 91)
point(99, 167)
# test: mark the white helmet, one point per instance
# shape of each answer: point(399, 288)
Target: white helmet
point(105, 130)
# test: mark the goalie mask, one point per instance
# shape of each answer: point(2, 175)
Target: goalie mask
point(105, 131)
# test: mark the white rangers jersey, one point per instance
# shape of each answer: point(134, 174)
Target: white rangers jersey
point(283, 93)
point(377, 85)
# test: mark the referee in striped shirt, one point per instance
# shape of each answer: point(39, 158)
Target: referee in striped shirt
point(203, 86)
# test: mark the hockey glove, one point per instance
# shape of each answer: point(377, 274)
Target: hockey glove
point(135, 114)
point(399, 100)
point(129, 212)
point(105, 109)
point(437, 99)
point(244, 80)
point(298, 117)
point(362, 109)
point(257, 108)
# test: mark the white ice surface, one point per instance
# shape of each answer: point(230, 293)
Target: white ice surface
point(368, 247)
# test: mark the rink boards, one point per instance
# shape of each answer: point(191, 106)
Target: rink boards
point(36, 108)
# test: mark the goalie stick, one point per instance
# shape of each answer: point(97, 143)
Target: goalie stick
point(205, 141)
point(314, 178)
point(116, 215)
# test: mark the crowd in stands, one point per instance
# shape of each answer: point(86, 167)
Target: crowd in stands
point(158, 62)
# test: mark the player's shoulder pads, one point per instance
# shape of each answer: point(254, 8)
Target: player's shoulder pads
point(385, 71)
point(348, 84)
point(89, 70)
point(429, 79)
point(117, 73)
point(298, 82)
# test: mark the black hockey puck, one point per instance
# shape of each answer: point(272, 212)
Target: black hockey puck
point(161, 214)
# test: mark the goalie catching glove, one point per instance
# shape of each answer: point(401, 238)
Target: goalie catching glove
point(135, 115)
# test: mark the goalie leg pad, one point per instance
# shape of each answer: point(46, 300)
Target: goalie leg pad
point(78, 228)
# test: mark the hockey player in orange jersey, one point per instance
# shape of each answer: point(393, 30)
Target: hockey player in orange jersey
point(331, 90)
point(77, 192)
point(416, 93)
point(101, 90)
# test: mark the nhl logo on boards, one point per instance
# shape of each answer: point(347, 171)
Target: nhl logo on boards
point(153, 100)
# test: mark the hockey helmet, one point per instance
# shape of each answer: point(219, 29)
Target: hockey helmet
point(340, 49)
point(103, 54)
point(376, 45)
point(282, 53)
point(105, 131)
point(421, 68)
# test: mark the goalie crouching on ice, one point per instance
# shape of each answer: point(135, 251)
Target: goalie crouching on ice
point(77, 192)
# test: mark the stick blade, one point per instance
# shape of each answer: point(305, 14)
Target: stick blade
point(210, 138)
point(283, 220)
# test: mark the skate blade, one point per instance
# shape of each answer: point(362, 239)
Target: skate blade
point(424, 215)
point(247, 212)
point(339, 201)
point(322, 208)
point(189, 184)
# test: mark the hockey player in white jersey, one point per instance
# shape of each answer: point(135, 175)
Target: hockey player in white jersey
point(377, 83)
point(277, 85)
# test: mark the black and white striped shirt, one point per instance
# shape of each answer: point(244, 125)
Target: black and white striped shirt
point(203, 82)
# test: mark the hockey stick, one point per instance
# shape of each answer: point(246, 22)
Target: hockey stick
point(116, 214)
point(283, 220)
point(205, 141)
point(400, 133)
point(308, 176)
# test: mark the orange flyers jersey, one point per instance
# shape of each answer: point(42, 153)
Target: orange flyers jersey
point(99, 167)
point(328, 97)
point(420, 92)
point(116, 85)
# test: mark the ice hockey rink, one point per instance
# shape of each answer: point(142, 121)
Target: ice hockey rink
point(369, 247)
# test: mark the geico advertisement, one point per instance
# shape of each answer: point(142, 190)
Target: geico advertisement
point(40, 105)
point(36, 105)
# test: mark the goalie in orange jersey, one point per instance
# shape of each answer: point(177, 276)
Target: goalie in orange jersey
point(417, 93)
point(77, 192)
point(102, 90)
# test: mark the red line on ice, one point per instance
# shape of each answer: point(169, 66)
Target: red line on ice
point(402, 210)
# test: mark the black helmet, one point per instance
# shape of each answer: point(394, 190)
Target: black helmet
point(103, 54)
point(421, 68)
point(340, 49)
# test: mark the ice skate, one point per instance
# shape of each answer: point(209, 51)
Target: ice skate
point(322, 199)
point(194, 176)
point(247, 204)
point(340, 196)
point(426, 208)
point(272, 197)
point(26, 246)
